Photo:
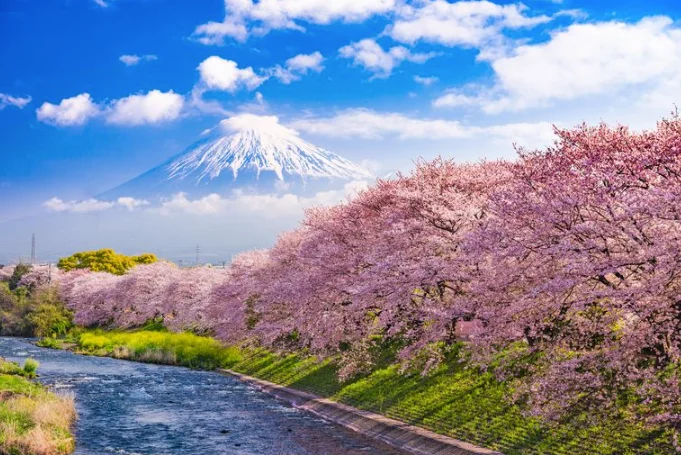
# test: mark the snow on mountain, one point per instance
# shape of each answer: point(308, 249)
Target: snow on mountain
point(248, 152)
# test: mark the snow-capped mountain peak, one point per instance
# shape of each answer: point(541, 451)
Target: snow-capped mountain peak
point(260, 144)
point(244, 151)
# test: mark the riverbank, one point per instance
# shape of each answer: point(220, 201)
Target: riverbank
point(455, 400)
point(33, 420)
point(409, 438)
point(141, 408)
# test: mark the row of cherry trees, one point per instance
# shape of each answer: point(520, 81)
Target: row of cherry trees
point(569, 256)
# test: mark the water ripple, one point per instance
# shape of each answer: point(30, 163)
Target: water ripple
point(129, 408)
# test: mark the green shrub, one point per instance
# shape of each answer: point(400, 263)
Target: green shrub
point(50, 342)
point(14, 310)
point(33, 313)
point(30, 367)
point(12, 368)
point(104, 260)
point(19, 271)
point(154, 325)
point(48, 320)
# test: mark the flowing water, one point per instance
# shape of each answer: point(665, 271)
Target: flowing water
point(133, 408)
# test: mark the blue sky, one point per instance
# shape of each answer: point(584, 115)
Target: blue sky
point(94, 92)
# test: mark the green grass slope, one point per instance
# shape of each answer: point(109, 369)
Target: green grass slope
point(456, 400)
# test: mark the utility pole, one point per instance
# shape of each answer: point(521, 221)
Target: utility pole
point(33, 249)
point(198, 251)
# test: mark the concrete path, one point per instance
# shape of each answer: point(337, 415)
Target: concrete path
point(398, 434)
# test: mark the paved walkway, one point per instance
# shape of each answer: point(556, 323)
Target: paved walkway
point(398, 434)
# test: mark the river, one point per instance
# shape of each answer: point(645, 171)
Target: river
point(129, 408)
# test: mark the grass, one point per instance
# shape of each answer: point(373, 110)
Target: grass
point(33, 420)
point(456, 400)
point(52, 343)
point(184, 349)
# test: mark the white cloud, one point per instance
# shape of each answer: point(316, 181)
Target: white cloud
point(131, 60)
point(298, 66)
point(427, 81)
point(216, 32)
point(372, 166)
point(639, 60)
point(131, 203)
point(370, 124)
point(243, 17)
point(531, 135)
point(220, 74)
point(257, 106)
point(369, 54)
point(69, 112)
point(195, 101)
point(305, 62)
point(456, 98)
point(465, 23)
point(16, 101)
point(247, 121)
point(92, 205)
point(89, 205)
point(462, 23)
point(101, 3)
point(271, 206)
point(207, 205)
point(151, 108)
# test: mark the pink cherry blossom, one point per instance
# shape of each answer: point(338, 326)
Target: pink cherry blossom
point(570, 256)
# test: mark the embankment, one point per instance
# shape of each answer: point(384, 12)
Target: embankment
point(409, 438)
point(455, 400)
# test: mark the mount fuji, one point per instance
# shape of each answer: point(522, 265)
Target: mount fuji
point(245, 152)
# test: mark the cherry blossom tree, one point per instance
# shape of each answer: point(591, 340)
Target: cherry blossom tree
point(562, 269)
point(380, 264)
point(188, 295)
point(91, 296)
point(231, 308)
point(40, 276)
point(580, 262)
point(6, 273)
point(130, 300)
point(141, 294)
